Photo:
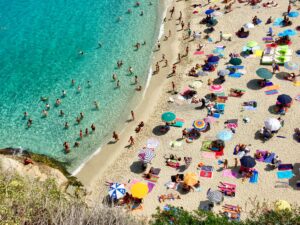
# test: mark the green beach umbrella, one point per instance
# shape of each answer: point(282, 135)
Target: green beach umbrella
point(168, 117)
point(264, 73)
point(251, 44)
point(235, 61)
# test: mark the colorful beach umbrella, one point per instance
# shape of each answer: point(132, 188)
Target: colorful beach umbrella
point(215, 196)
point(282, 205)
point(190, 179)
point(200, 125)
point(168, 117)
point(291, 66)
point(209, 11)
point(116, 191)
point(223, 73)
point(247, 162)
point(216, 88)
point(284, 99)
point(264, 73)
point(293, 14)
point(139, 190)
point(272, 124)
point(225, 135)
point(146, 155)
point(251, 44)
point(235, 61)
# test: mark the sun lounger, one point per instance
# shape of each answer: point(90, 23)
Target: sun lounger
point(285, 167)
point(286, 174)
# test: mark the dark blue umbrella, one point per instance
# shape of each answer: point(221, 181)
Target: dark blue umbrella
point(247, 161)
point(209, 11)
point(213, 59)
point(284, 99)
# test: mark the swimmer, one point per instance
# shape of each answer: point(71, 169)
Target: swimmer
point(137, 4)
point(130, 70)
point(80, 134)
point(66, 125)
point(129, 11)
point(86, 131)
point(47, 106)
point(96, 104)
point(81, 115)
point(114, 77)
point(89, 83)
point(142, 13)
point(58, 102)
point(25, 115)
point(61, 113)
point(67, 147)
point(80, 52)
point(139, 88)
point(73, 82)
point(118, 84)
point(64, 93)
point(78, 120)
point(135, 79)
point(93, 127)
point(45, 113)
point(76, 144)
point(99, 44)
point(29, 122)
point(78, 88)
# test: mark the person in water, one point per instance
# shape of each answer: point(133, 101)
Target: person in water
point(66, 125)
point(25, 115)
point(78, 88)
point(118, 84)
point(81, 52)
point(58, 102)
point(115, 136)
point(64, 93)
point(67, 147)
point(73, 82)
point(45, 113)
point(47, 106)
point(114, 77)
point(93, 127)
point(29, 122)
point(86, 131)
point(61, 113)
point(81, 115)
point(96, 105)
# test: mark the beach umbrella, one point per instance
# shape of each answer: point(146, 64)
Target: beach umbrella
point(293, 14)
point(223, 73)
point(215, 196)
point(288, 32)
point(291, 66)
point(247, 161)
point(264, 73)
point(235, 61)
point(251, 44)
point(190, 179)
point(213, 59)
point(212, 22)
point(216, 88)
point(116, 191)
point(152, 143)
point(281, 205)
point(200, 125)
point(139, 190)
point(146, 155)
point(209, 11)
point(248, 25)
point(272, 124)
point(168, 117)
point(284, 99)
point(225, 135)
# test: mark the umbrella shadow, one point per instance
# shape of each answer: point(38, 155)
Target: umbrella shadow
point(258, 136)
point(253, 84)
point(281, 75)
point(181, 168)
point(137, 167)
point(293, 181)
point(272, 110)
point(157, 130)
point(205, 205)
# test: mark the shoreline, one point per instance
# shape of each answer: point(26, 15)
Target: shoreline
point(112, 151)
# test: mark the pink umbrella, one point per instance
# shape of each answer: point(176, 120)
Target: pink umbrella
point(216, 88)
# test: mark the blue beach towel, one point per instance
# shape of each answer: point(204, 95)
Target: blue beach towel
point(178, 124)
point(235, 75)
point(287, 174)
point(270, 158)
point(235, 67)
point(254, 178)
point(216, 115)
point(271, 92)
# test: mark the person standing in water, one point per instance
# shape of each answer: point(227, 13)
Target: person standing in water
point(118, 84)
point(25, 115)
point(135, 79)
point(64, 93)
point(132, 115)
point(115, 136)
point(73, 82)
point(66, 125)
point(96, 105)
point(114, 77)
point(93, 127)
point(80, 134)
point(86, 131)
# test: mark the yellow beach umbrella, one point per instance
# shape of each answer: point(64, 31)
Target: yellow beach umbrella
point(139, 190)
point(282, 205)
point(190, 179)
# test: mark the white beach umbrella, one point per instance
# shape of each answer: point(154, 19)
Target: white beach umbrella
point(249, 25)
point(272, 124)
point(117, 191)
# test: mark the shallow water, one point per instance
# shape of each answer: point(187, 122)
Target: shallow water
point(40, 41)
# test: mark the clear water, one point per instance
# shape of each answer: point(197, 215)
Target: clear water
point(40, 41)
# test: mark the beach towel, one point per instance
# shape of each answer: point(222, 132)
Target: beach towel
point(208, 155)
point(285, 167)
point(263, 153)
point(198, 52)
point(273, 87)
point(207, 168)
point(175, 143)
point(269, 83)
point(272, 92)
point(178, 123)
point(155, 171)
point(153, 178)
point(235, 75)
point(206, 174)
point(173, 164)
point(254, 177)
point(150, 186)
point(250, 108)
point(296, 83)
point(269, 158)
point(230, 173)
point(235, 67)
point(286, 174)
point(205, 146)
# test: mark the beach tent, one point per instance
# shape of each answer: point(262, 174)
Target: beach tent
point(264, 73)
point(168, 117)
point(139, 190)
point(190, 179)
point(247, 162)
point(200, 125)
point(272, 124)
point(235, 61)
point(225, 135)
point(116, 191)
point(146, 155)
point(284, 99)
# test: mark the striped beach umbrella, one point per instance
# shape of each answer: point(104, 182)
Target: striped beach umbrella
point(215, 196)
point(168, 117)
point(200, 125)
point(146, 155)
point(291, 66)
point(116, 191)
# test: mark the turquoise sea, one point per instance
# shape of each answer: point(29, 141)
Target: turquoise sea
point(40, 41)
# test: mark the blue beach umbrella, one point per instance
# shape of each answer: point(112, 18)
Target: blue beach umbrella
point(293, 14)
point(168, 117)
point(264, 73)
point(288, 32)
point(284, 99)
point(247, 161)
point(117, 191)
point(224, 135)
point(213, 59)
point(209, 11)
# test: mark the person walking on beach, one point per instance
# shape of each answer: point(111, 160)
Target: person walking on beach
point(132, 115)
point(180, 16)
point(221, 36)
point(115, 136)
point(275, 67)
point(182, 25)
point(158, 45)
point(163, 57)
point(172, 12)
point(93, 127)
point(174, 69)
point(166, 63)
point(184, 133)
point(170, 33)
point(235, 162)
point(80, 134)
point(187, 50)
point(131, 141)
point(173, 86)
point(289, 8)
point(157, 68)
point(225, 164)
point(179, 57)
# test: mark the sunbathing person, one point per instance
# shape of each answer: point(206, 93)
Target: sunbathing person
point(172, 157)
point(177, 178)
point(258, 155)
point(236, 93)
point(255, 20)
point(291, 77)
point(139, 127)
point(192, 72)
point(286, 21)
point(215, 7)
point(171, 196)
point(247, 176)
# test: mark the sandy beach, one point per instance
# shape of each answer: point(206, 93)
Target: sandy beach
point(119, 163)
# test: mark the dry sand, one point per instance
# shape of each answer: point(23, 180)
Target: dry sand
point(119, 164)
